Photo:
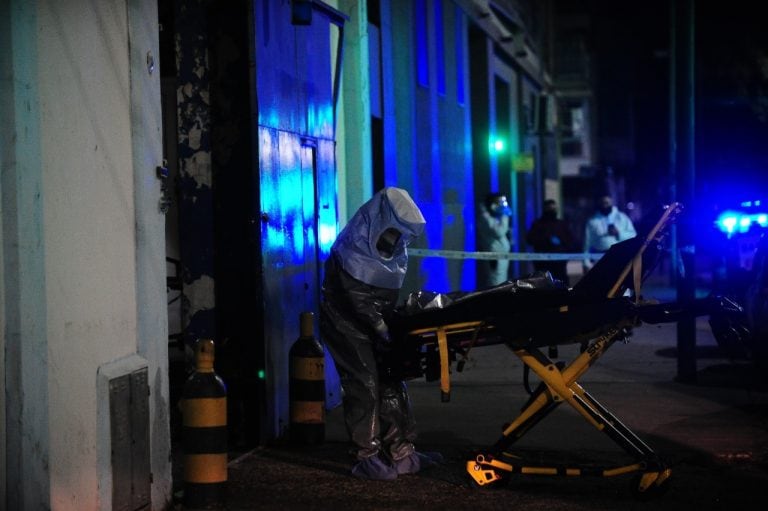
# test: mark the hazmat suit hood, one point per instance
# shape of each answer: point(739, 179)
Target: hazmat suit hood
point(372, 246)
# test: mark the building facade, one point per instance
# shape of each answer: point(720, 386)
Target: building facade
point(173, 170)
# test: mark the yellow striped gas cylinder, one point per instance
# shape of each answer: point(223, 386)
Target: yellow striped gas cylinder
point(307, 386)
point(204, 406)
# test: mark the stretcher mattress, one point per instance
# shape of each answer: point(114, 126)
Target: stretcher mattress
point(516, 314)
point(537, 310)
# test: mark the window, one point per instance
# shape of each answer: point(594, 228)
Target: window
point(573, 128)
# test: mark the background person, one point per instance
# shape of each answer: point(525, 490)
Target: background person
point(361, 287)
point(604, 228)
point(493, 236)
point(550, 234)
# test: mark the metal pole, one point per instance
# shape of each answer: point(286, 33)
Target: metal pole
point(685, 157)
point(673, 133)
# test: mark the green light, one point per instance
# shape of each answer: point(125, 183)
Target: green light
point(497, 145)
point(261, 374)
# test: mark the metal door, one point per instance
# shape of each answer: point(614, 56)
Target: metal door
point(295, 81)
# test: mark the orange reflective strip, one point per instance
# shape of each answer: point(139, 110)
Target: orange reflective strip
point(308, 368)
point(205, 412)
point(308, 411)
point(539, 470)
point(205, 468)
point(445, 365)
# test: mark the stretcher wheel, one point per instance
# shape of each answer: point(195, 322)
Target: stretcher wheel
point(650, 485)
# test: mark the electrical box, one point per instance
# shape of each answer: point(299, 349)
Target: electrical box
point(129, 433)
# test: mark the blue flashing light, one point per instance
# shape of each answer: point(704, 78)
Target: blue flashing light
point(727, 222)
point(731, 222)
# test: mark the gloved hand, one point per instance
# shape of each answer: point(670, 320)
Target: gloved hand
point(383, 344)
point(382, 341)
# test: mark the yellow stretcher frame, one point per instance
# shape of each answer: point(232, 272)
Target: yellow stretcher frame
point(559, 385)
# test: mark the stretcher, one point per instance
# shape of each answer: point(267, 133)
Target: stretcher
point(433, 330)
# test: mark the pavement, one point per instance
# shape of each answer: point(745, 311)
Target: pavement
point(712, 433)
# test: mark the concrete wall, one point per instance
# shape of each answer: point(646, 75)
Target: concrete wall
point(69, 242)
point(151, 294)
point(5, 32)
point(354, 169)
point(24, 334)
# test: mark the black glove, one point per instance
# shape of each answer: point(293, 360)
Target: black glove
point(383, 344)
point(382, 341)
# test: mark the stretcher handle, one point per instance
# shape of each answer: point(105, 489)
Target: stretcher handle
point(636, 263)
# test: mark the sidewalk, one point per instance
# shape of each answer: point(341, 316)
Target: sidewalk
point(713, 434)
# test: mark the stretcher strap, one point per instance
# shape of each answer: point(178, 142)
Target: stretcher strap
point(636, 263)
point(445, 379)
point(465, 355)
point(441, 332)
point(637, 275)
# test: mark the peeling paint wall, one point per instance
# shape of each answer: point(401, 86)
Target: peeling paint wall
point(218, 245)
point(196, 232)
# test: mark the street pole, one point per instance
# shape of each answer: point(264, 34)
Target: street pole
point(683, 156)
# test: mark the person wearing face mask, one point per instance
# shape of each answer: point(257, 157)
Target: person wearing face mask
point(494, 235)
point(550, 234)
point(363, 276)
point(606, 227)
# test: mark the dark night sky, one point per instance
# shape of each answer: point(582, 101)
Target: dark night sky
point(631, 47)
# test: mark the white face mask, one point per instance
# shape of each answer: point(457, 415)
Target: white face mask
point(500, 207)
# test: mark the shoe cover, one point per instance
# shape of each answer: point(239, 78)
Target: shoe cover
point(417, 461)
point(375, 469)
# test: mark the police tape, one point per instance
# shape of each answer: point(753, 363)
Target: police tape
point(513, 256)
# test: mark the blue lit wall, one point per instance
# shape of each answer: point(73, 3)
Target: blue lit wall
point(442, 127)
point(297, 207)
point(429, 124)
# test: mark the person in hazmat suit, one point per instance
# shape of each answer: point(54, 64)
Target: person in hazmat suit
point(493, 232)
point(360, 289)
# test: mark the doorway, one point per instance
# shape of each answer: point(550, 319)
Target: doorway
point(249, 104)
